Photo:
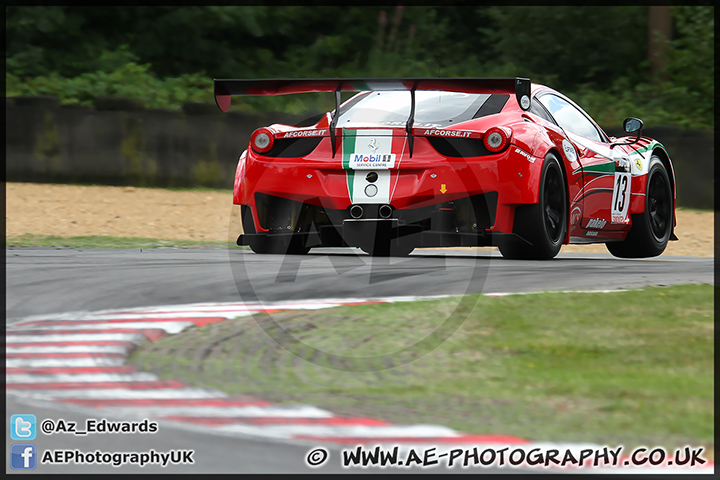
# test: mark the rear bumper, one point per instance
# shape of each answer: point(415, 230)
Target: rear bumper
point(465, 222)
point(357, 236)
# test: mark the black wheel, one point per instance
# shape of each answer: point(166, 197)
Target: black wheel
point(276, 246)
point(543, 224)
point(651, 229)
point(270, 244)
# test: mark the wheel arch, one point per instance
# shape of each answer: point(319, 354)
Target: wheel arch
point(533, 239)
point(665, 159)
point(561, 160)
point(662, 154)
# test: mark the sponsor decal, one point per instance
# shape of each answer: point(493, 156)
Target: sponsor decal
point(447, 133)
point(368, 160)
point(415, 125)
point(620, 219)
point(591, 233)
point(621, 198)
point(304, 133)
point(569, 150)
point(638, 163)
point(530, 158)
point(443, 188)
point(623, 164)
point(597, 223)
point(525, 102)
point(358, 157)
point(575, 216)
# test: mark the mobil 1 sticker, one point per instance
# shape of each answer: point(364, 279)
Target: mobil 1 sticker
point(359, 161)
point(621, 198)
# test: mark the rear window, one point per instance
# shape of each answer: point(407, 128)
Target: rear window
point(433, 109)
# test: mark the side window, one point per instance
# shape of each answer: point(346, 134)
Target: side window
point(540, 111)
point(569, 117)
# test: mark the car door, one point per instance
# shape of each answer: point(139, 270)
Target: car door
point(598, 168)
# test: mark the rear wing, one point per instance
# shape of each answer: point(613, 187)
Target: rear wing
point(226, 88)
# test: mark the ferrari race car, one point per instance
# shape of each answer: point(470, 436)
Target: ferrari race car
point(443, 162)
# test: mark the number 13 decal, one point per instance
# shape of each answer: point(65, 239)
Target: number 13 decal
point(621, 197)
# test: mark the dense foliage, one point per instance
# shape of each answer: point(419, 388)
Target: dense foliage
point(169, 55)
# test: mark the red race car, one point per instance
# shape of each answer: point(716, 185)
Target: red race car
point(443, 162)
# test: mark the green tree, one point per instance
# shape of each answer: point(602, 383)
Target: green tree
point(571, 45)
point(169, 54)
point(691, 58)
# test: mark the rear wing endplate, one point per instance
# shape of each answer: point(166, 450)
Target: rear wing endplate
point(224, 89)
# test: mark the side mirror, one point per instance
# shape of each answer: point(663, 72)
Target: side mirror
point(631, 125)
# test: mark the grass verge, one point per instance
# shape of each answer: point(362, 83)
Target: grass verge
point(97, 241)
point(632, 368)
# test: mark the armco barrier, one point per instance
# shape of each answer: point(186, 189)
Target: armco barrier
point(199, 146)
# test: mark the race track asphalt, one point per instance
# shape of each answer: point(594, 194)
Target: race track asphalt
point(55, 280)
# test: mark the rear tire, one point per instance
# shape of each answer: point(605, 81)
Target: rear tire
point(543, 224)
point(276, 246)
point(651, 229)
point(269, 245)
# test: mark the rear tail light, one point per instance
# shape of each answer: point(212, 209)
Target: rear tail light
point(497, 138)
point(262, 140)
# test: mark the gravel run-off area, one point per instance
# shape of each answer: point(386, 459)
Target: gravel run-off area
point(207, 215)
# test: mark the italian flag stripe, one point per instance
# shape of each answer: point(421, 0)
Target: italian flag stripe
point(371, 141)
point(348, 143)
point(648, 147)
point(608, 167)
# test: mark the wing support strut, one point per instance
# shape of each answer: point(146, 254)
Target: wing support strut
point(411, 120)
point(334, 120)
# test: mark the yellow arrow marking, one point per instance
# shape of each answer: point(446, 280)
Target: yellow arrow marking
point(442, 188)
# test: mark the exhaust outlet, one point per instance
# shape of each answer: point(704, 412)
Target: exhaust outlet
point(356, 211)
point(385, 211)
